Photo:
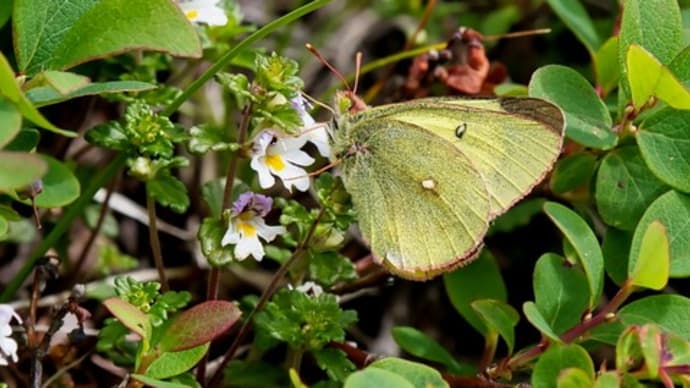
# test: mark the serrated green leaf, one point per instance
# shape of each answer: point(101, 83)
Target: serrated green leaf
point(376, 377)
point(329, 268)
point(156, 25)
point(616, 249)
point(205, 138)
point(651, 268)
point(649, 78)
point(560, 292)
point(572, 172)
point(10, 89)
point(557, 358)
point(334, 362)
point(130, 316)
point(422, 346)
point(43, 96)
point(480, 279)
point(170, 364)
point(10, 121)
point(536, 318)
point(578, 21)
point(670, 312)
point(200, 324)
point(588, 121)
point(419, 375)
point(606, 69)
point(19, 169)
point(169, 192)
point(625, 187)
point(500, 317)
point(573, 378)
point(664, 141)
point(585, 243)
point(672, 210)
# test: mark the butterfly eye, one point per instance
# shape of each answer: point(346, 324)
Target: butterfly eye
point(460, 130)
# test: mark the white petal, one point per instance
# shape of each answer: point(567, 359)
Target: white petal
point(9, 347)
point(298, 157)
point(266, 180)
point(213, 16)
point(232, 235)
point(249, 246)
point(319, 137)
point(268, 233)
point(292, 175)
point(287, 144)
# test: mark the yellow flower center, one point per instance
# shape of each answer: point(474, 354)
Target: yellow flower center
point(275, 162)
point(192, 14)
point(246, 228)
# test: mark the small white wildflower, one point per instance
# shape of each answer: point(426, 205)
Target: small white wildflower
point(310, 288)
point(8, 346)
point(204, 11)
point(280, 158)
point(247, 225)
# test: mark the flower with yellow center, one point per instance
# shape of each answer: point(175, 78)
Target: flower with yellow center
point(204, 11)
point(280, 158)
point(247, 225)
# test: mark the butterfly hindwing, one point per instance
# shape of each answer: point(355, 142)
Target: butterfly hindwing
point(421, 203)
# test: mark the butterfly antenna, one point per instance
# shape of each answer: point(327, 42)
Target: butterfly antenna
point(323, 60)
point(358, 68)
point(319, 103)
point(518, 34)
point(317, 172)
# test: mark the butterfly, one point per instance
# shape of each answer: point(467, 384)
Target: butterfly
point(428, 176)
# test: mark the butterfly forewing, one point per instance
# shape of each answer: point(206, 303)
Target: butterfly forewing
point(512, 142)
point(420, 202)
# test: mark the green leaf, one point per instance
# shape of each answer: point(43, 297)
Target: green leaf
point(625, 187)
point(376, 377)
point(481, 279)
point(517, 216)
point(26, 140)
point(572, 172)
point(670, 312)
point(169, 192)
point(560, 292)
point(585, 243)
point(664, 141)
point(329, 268)
point(205, 138)
point(422, 346)
point(10, 121)
point(616, 250)
point(535, 317)
point(629, 349)
point(640, 24)
point(156, 25)
point(19, 169)
point(256, 374)
point(680, 66)
point(420, 375)
point(210, 236)
point(557, 358)
point(5, 11)
point(198, 325)
point(11, 90)
point(588, 121)
point(171, 364)
point(4, 227)
point(60, 186)
point(130, 316)
point(500, 317)
point(607, 380)
point(150, 381)
point(652, 264)
point(649, 78)
point(673, 211)
point(573, 378)
point(651, 343)
point(606, 69)
point(43, 96)
point(334, 362)
point(62, 82)
point(578, 21)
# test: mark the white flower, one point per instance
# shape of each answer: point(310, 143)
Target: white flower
point(280, 158)
point(8, 346)
point(310, 288)
point(247, 225)
point(311, 131)
point(204, 11)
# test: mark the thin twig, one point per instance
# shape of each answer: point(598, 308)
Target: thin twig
point(155, 243)
point(64, 370)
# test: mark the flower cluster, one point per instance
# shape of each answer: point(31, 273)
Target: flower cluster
point(204, 11)
point(8, 346)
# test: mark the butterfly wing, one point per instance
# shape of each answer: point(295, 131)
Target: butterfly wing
point(513, 142)
point(421, 204)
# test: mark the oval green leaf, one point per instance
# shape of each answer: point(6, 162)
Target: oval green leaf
point(535, 317)
point(171, 364)
point(419, 375)
point(625, 187)
point(375, 377)
point(557, 359)
point(607, 380)
point(156, 25)
point(155, 383)
point(649, 78)
point(664, 141)
point(651, 268)
point(572, 172)
point(670, 312)
point(42, 96)
point(573, 378)
point(422, 346)
point(130, 316)
point(574, 15)
point(500, 317)
point(10, 121)
point(198, 325)
point(616, 250)
point(19, 169)
point(585, 243)
point(560, 291)
point(673, 211)
point(588, 121)
point(606, 70)
point(60, 186)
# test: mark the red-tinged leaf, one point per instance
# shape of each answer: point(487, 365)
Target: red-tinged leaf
point(200, 324)
point(129, 315)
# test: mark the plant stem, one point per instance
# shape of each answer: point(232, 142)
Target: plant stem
point(155, 243)
point(265, 296)
point(63, 225)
